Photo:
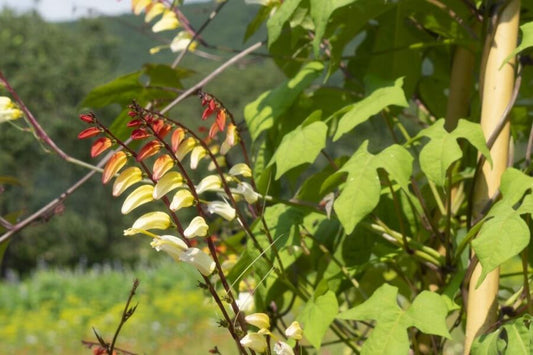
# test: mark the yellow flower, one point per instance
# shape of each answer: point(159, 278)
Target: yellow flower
point(185, 147)
point(126, 178)
point(197, 228)
point(181, 41)
point(294, 331)
point(152, 220)
point(170, 181)
point(240, 169)
point(117, 162)
point(255, 342)
point(162, 164)
point(139, 5)
point(153, 11)
point(209, 183)
point(197, 154)
point(183, 198)
point(167, 22)
point(259, 320)
point(8, 110)
point(139, 196)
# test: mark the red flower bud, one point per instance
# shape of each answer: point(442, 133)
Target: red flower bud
point(149, 149)
point(135, 123)
point(157, 125)
point(89, 132)
point(89, 118)
point(132, 113)
point(164, 131)
point(100, 145)
point(139, 133)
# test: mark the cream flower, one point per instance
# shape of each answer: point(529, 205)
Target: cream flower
point(247, 191)
point(282, 348)
point(200, 260)
point(197, 228)
point(240, 169)
point(255, 342)
point(197, 154)
point(183, 198)
point(126, 178)
point(8, 110)
point(294, 331)
point(170, 181)
point(181, 41)
point(169, 21)
point(138, 197)
point(173, 246)
point(259, 320)
point(223, 209)
point(209, 183)
point(152, 220)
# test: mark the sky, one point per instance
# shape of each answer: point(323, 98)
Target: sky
point(64, 10)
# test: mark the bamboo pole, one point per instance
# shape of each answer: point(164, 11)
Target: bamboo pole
point(497, 91)
point(461, 80)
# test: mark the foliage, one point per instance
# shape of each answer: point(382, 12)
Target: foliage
point(362, 238)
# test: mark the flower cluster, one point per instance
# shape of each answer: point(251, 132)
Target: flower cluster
point(8, 110)
point(157, 171)
point(258, 341)
point(168, 21)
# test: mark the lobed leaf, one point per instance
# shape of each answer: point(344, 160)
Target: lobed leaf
point(316, 317)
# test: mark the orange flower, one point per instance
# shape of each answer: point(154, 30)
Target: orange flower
point(177, 137)
point(221, 119)
point(89, 132)
point(117, 161)
point(100, 146)
point(149, 149)
point(162, 164)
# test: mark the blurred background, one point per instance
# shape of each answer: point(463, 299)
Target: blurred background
point(72, 270)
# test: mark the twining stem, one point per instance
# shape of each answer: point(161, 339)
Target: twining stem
point(126, 314)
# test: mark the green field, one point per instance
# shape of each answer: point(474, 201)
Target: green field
point(51, 311)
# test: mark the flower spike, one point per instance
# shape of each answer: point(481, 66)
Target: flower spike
point(113, 165)
point(100, 145)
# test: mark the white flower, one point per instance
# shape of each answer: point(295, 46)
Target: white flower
point(174, 246)
point(223, 209)
point(197, 228)
point(200, 260)
point(282, 348)
point(245, 301)
point(255, 342)
point(181, 41)
point(246, 190)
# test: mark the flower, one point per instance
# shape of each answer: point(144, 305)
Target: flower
point(198, 153)
point(113, 165)
point(282, 348)
point(197, 228)
point(221, 119)
point(246, 190)
point(149, 149)
point(232, 137)
point(169, 21)
point(200, 260)
point(259, 320)
point(162, 164)
point(85, 117)
point(173, 246)
point(89, 132)
point(139, 5)
point(100, 145)
point(153, 10)
point(8, 110)
point(255, 342)
point(181, 41)
point(126, 178)
point(139, 196)
point(209, 183)
point(152, 220)
point(294, 331)
point(170, 181)
point(185, 147)
point(139, 133)
point(223, 209)
point(176, 138)
point(245, 301)
point(183, 198)
point(240, 169)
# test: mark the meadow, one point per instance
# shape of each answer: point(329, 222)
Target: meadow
point(53, 310)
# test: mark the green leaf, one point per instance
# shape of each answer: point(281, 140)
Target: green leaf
point(364, 109)
point(282, 15)
point(360, 194)
point(165, 75)
point(500, 238)
point(122, 90)
point(316, 317)
point(261, 113)
point(261, 16)
point(443, 149)
point(390, 333)
point(321, 11)
point(514, 184)
point(518, 340)
point(527, 41)
point(300, 146)
point(487, 344)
